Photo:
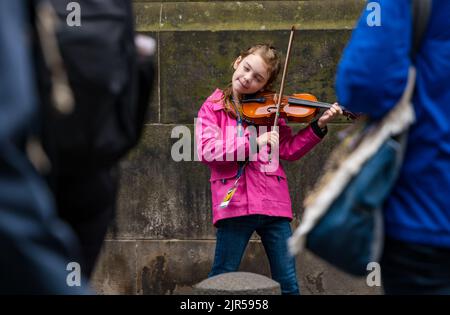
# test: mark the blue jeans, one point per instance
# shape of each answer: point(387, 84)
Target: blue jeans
point(232, 238)
point(408, 268)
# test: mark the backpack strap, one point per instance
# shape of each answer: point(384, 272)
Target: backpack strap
point(421, 11)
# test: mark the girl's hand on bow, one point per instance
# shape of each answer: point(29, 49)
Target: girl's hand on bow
point(271, 137)
point(329, 115)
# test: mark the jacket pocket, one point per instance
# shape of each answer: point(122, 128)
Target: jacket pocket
point(220, 185)
point(277, 188)
point(223, 172)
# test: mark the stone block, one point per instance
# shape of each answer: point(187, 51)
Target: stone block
point(175, 266)
point(115, 272)
point(160, 198)
point(199, 62)
point(246, 15)
point(153, 111)
point(320, 278)
point(172, 266)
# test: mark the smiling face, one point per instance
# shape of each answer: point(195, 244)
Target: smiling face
point(250, 75)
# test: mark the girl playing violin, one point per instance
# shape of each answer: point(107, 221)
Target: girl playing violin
point(245, 198)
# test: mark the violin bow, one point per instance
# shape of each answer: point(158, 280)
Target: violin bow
point(280, 96)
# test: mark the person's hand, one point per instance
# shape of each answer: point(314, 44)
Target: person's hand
point(145, 45)
point(329, 115)
point(271, 137)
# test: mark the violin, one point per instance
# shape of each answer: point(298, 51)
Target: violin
point(261, 108)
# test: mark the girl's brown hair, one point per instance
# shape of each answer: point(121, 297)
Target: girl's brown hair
point(272, 59)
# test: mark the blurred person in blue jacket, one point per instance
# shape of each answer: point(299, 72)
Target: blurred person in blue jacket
point(371, 78)
point(37, 248)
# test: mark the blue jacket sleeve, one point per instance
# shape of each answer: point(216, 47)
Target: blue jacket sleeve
point(373, 71)
point(17, 94)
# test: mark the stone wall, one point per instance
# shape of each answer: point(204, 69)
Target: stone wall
point(162, 241)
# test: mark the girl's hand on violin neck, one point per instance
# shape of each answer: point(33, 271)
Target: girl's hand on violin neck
point(271, 137)
point(329, 115)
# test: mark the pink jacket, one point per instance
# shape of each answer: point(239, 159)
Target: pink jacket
point(263, 188)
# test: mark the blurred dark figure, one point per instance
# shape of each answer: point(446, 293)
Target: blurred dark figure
point(371, 78)
point(111, 82)
point(36, 246)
